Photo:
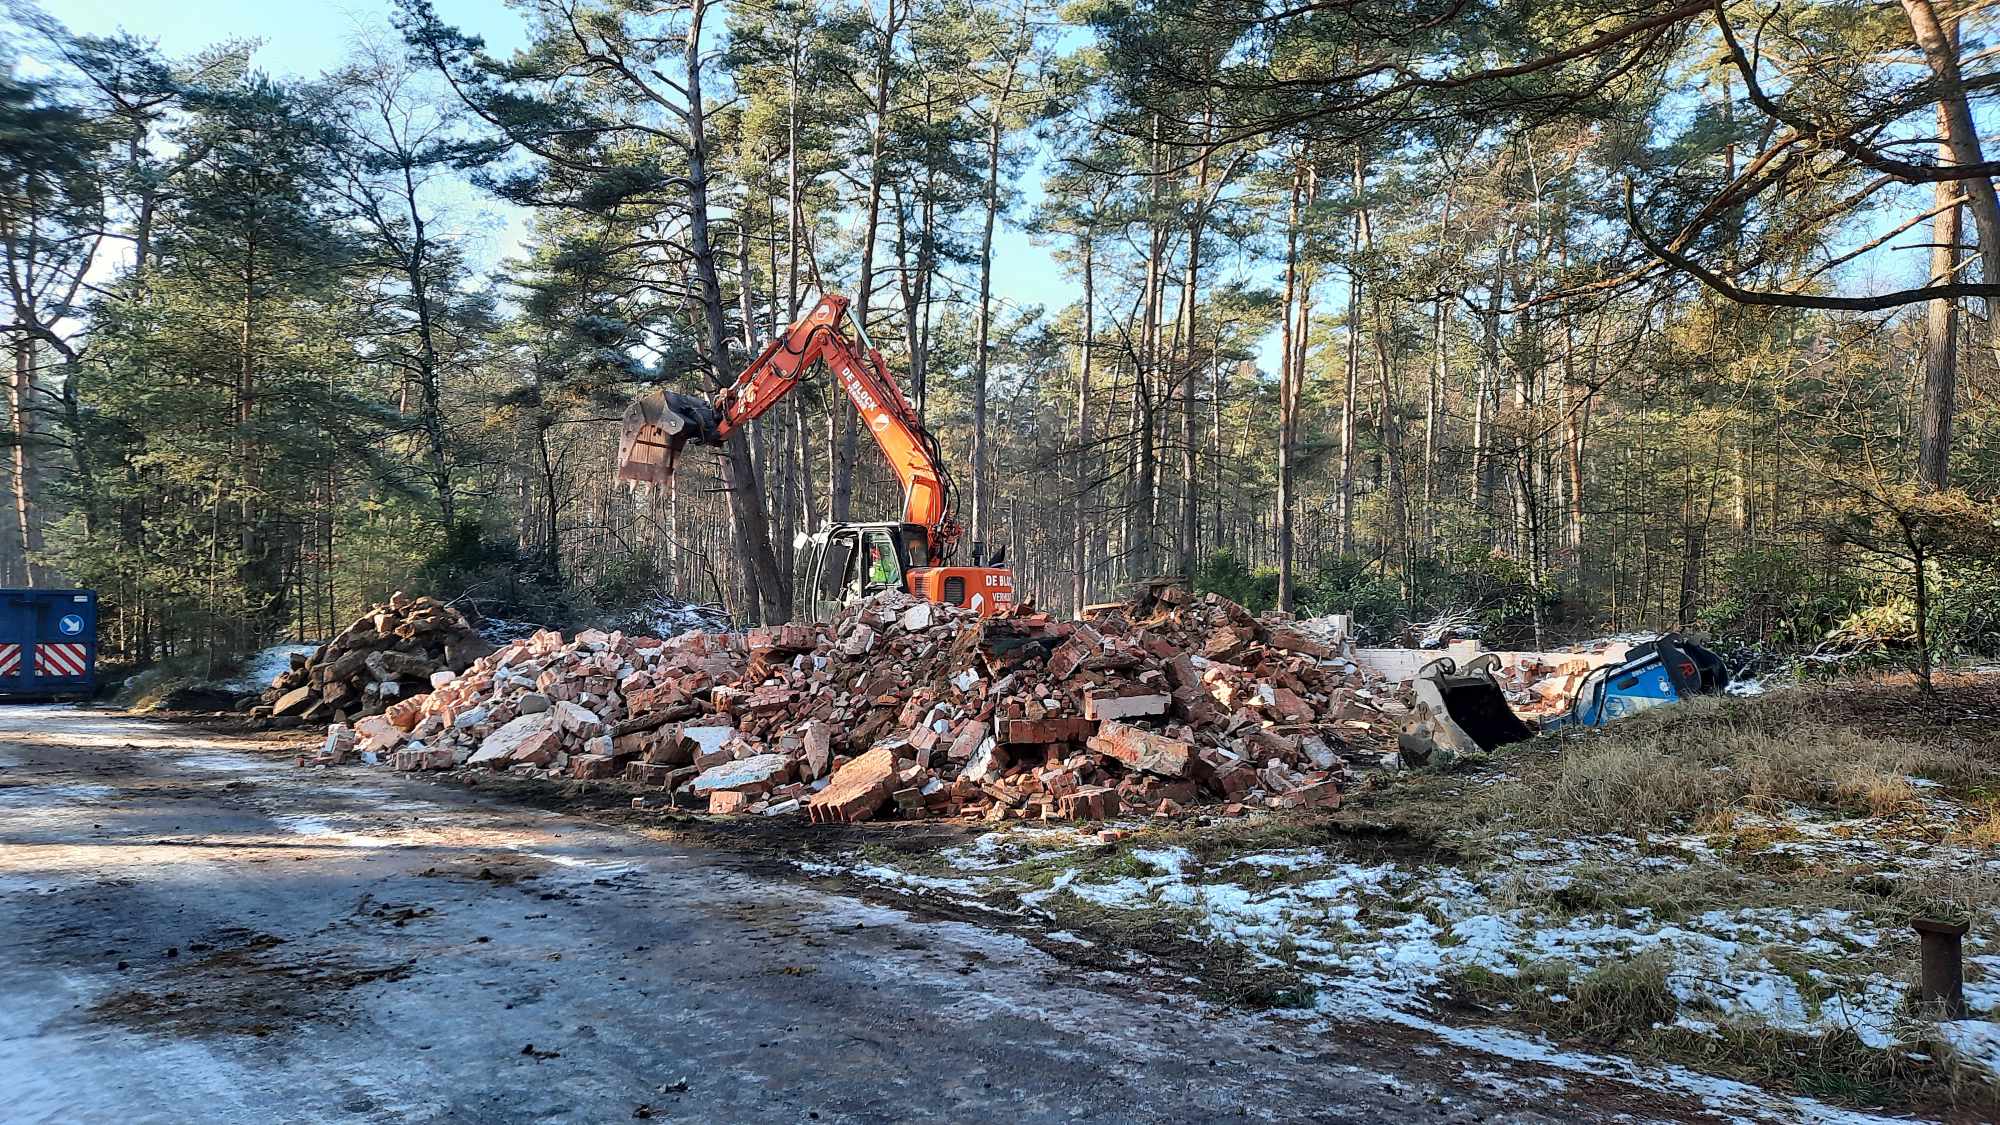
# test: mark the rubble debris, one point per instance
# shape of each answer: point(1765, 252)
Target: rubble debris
point(397, 649)
point(857, 790)
point(904, 708)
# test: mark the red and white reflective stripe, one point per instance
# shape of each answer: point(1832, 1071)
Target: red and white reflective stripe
point(60, 660)
point(10, 660)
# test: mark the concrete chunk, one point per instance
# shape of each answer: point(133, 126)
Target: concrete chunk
point(1103, 707)
point(757, 774)
point(525, 733)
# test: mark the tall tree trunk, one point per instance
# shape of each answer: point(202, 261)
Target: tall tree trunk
point(792, 216)
point(1959, 137)
point(428, 377)
point(1290, 378)
point(1434, 393)
point(1141, 542)
point(1488, 381)
point(1940, 344)
point(996, 131)
point(21, 407)
point(1190, 366)
point(1349, 400)
point(750, 524)
point(864, 295)
point(1079, 552)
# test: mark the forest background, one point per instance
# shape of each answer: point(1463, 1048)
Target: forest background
point(1540, 321)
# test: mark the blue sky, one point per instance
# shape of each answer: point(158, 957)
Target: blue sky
point(306, 37)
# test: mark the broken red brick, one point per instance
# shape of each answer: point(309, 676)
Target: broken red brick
point(856, 790)
point(1142, 750)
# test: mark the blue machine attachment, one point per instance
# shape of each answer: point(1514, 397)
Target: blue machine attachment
point(1460, 712)
point(1666, 671)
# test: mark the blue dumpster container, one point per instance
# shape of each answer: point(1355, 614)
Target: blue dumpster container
point(48, 643)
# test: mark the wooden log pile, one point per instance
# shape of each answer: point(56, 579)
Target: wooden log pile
point(397, 650)
point(903, 708)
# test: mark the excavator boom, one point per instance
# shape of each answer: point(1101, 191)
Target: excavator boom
point(659, 424)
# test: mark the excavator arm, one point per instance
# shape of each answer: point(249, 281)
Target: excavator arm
point(659, 424)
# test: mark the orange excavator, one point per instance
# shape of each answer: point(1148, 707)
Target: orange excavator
point(848, 560)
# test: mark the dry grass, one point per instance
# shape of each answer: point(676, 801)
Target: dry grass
point(1868, 789)
point(1629, 1006)
point(1611, 1003)
point(1695, 763)
point(1983, 831)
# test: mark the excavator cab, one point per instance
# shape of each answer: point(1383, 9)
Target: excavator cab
point(851, 561)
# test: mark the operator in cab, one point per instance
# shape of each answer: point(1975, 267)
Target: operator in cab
point(881, 570)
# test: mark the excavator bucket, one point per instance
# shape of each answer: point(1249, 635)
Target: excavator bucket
point(1459, 712)
point(657, 424)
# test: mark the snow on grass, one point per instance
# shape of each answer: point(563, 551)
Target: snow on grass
point(1409, 930)
point(1975, 1041)
point(1736, 1101)
point(993, 850)
point(1384, 940)
point(1390, 937)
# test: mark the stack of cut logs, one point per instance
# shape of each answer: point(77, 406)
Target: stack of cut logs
point(906, 708)
point(397, 650)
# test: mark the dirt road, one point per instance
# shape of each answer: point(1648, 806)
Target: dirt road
point(196, 930)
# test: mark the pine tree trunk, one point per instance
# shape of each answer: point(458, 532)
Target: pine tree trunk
point(864, 293)
point(1350, 398)
point(996, 131)
point(1940, 344)
point(1190, 532)
point(1290, 378)
point(21, 407)
point(1959, 136)
point(750, 523)
point(1079, 553)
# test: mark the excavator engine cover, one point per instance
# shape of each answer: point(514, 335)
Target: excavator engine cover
point(657, 424)
point(1461, 712)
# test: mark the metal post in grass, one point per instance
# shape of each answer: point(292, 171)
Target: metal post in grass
point(1941, 946)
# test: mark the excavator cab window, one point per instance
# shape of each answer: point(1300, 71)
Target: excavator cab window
point(916, 545)
point(835, 568)
point(882, 566)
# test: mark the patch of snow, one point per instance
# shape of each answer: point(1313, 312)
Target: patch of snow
point(667, 616)
point(497, 631)
point(1172, 861)
point(1975, 1041)
point(1056, 886)
point(1266, 862)
point(1128, 893)
point(884, 874)
point(261, 667)
point(1001, 849)
point(299, 824)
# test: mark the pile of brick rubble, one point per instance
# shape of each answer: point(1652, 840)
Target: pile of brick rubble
point(390, 653)
point(905, 708)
